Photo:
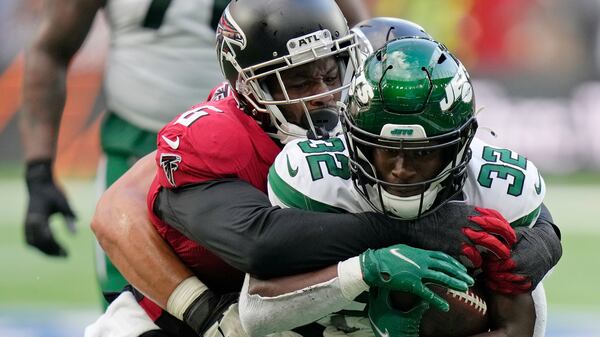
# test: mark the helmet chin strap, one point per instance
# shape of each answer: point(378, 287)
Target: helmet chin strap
point(324, 121)
point(408, 207)
point(287, 132)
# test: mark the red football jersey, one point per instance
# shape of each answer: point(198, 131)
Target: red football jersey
point(211, 141)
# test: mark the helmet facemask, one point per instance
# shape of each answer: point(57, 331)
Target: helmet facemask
point(414, 199)
point(259, 83)
point(400, 105)
point(258, 41)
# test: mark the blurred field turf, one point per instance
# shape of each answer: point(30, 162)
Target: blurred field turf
point(31, 280)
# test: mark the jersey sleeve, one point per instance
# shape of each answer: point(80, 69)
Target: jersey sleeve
point(505, 181)
point(312, 175)
point(198, 146)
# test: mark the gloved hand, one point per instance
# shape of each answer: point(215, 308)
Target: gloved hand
point(465, 232)
point(538, 250)
point(408, 269)
point(45, 199)
point(389, 322)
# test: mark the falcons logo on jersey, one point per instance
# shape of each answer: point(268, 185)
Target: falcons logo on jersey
point(170, 164)
point(221, 92)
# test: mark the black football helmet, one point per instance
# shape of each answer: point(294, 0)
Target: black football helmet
point(261, 38)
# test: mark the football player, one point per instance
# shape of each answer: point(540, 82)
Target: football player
point(142, 60)
point(220, 139)
point(230, 216)
point(160, 62)
point(409, 148)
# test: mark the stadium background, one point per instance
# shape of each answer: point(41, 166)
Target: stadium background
point(536, 65)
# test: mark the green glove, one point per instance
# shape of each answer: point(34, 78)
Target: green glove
point(408, 269)
point(389, 322)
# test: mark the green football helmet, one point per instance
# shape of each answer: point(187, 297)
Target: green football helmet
point(412, 97)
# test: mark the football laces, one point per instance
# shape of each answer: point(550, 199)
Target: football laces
point(470, 298)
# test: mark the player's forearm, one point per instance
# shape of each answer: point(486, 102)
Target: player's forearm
point(64, 26)
point(124, 231)
point(511, 316)
point(265, 305)
point(43, 101)
point(539, 248)
point(286, 284)
point(238, 223)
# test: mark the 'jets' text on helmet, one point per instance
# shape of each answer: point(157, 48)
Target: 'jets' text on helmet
point(257, 40)
point(415, 97)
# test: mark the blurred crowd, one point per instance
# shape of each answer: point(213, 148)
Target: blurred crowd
point(536, 64)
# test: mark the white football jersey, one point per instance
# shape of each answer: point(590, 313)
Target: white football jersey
point(315, 175)
point(158, 68)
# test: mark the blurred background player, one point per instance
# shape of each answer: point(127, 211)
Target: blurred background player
point(161, 62)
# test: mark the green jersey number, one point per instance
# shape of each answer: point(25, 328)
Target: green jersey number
point(326, 146)
point(336, 164)
point(503, 163)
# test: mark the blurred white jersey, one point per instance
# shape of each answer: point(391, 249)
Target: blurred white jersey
point(315, 175)
point(161, 60)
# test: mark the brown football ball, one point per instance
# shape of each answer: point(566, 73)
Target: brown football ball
point(467, 316)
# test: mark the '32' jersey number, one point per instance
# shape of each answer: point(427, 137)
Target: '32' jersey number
point(327, 153)
point(503, 164)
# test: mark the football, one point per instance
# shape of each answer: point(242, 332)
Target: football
point(468, 314)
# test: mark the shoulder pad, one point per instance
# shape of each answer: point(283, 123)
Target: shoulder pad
point(201, 144)
point(502, 179)
point(313, 175)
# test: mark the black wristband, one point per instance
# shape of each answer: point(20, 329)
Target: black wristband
point(207, 309)
point(198, 313)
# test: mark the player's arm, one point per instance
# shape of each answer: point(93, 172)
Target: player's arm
point(536, 252)
point(511, 316)
point(538, 247)
point(63, 29)
point(265, 305)
point(355, 11)
point(124, 231)
point(237, 222)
